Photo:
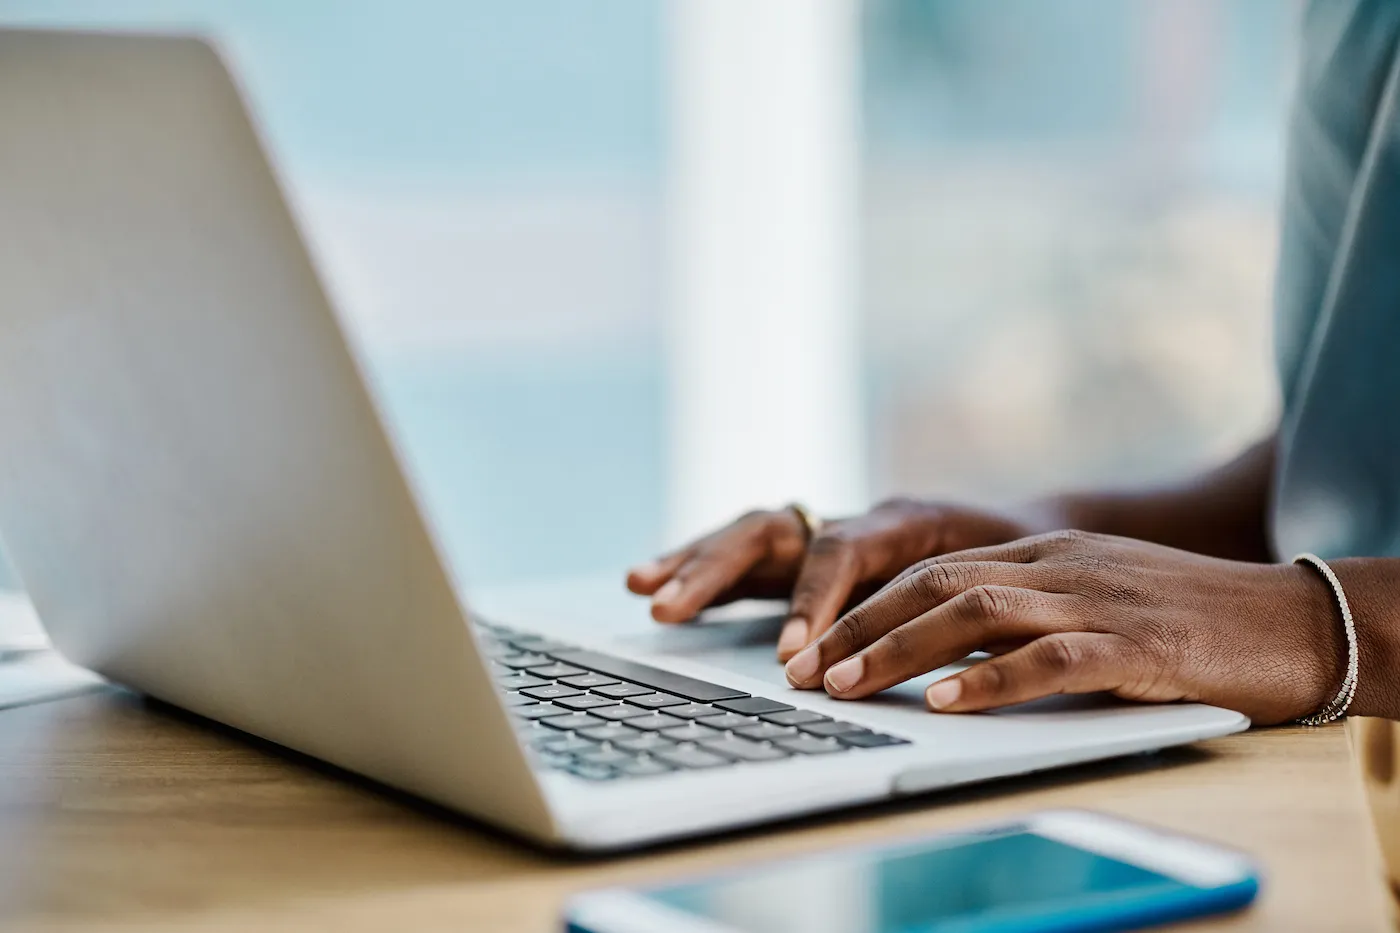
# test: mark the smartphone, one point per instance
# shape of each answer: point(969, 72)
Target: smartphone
point(1061, 870)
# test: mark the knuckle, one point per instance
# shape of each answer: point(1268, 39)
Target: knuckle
point(1065, 539)
point(1060, 656)
point(989, 603)
point(993, 679)
point(933, 581)
point(856, 628)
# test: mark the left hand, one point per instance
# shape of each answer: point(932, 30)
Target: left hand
point(1072, 612)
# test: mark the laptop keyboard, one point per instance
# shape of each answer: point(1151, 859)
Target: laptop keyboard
point(603, 718)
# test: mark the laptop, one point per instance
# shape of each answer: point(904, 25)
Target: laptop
point(202, 499)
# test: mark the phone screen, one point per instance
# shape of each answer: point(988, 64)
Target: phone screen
point(964, 883)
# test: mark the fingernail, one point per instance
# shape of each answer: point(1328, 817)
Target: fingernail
point(802, 668)
point(667, 593)
point(944, 693)
point(846, 675)
point(794, 636)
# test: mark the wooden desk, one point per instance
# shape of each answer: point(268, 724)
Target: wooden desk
point(122, 815)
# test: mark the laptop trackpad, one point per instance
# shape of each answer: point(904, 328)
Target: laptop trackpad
point(747, 646)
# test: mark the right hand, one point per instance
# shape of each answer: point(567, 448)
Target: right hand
point(766, 555)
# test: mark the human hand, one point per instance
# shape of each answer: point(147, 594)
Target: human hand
point(1071, 612)
point(767, 555)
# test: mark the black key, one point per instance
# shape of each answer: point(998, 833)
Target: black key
point(588, 681)
point(538, 711)
point(655, 722)
point(642, 767)
point(555, 671)
point(794, 717)
point(515, 699)
point(753, 706)
point(605, 756)
point(726, 720)
point(809, 745)
point(830, 727)
point(593, 772)
point(766, 731)
point(514, 681)
point(551, 692)
point(690, 758)
point(645, 742)
point(653, 677)
point(587, 701)
point(572, 721)
point(619, 711)
point(744, 750)
point(522, 659)
point(608, 732)
point(690, 732)
point(692, 711)
point(656, 701)
point(622, 691)
point(869, 740)
point(568, 745)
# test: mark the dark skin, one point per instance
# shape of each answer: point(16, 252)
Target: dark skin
point(1159, 596)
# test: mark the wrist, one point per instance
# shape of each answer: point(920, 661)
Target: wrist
point(1322, 646)
point(1371, 588)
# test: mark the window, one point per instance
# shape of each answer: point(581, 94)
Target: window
point(1010, 246)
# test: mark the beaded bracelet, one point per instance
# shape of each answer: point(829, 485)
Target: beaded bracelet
point(1339, 704)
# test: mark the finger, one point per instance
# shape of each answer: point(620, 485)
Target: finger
point(1073, 662)
point(647, 578)
point(1021, 551)
point(715, 564)
point(886, 611)
point(824, 583)
point(970, 621)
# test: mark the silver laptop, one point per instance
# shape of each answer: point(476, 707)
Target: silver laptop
point(202, 499)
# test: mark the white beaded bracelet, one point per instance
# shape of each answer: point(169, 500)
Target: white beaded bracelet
point(1339, 704)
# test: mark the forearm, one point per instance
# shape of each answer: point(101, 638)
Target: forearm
point(1222, 513)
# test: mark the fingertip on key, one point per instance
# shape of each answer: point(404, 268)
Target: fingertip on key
point(803, 667)
point(842, 677)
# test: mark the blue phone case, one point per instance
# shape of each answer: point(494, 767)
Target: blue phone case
point(1137, 913)
point(1099, 912)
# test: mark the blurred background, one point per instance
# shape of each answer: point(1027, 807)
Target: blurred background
point(622, 268)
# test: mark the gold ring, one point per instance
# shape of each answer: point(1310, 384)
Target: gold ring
point(810, 523)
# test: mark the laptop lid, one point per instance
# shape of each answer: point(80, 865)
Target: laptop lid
point(195, 485)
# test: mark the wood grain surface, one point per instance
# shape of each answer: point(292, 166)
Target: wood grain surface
point(123, 814)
